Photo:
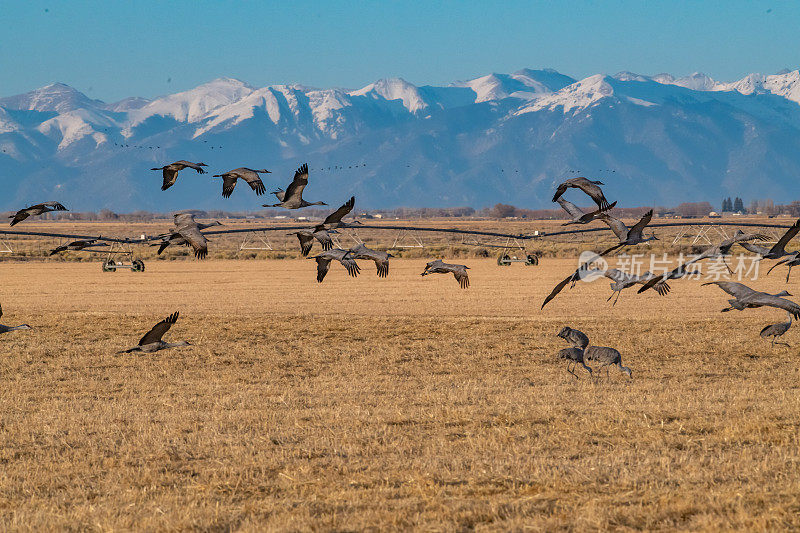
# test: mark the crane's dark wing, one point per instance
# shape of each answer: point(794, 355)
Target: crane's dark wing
point(644, 221)
point(155, 334)
point(20, 215)
point(342, 212)
point(786, 237)
point(53, 206)
point(170, 177)
point(588, 217)
point(737, 290)
point(617, 226)
point(189, 164)
point(350, 264)
point(324, 239)
point(323, 265)
point(306, 242)
point(195, 239)
point(298, 183)
point(572, 210)
point(462, 278)
point(596, 194)
point(228, 184)
point(558, 288)
point(560, 190)
point(255, 183)
point(1, 311)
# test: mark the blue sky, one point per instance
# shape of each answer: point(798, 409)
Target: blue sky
point(114, 49)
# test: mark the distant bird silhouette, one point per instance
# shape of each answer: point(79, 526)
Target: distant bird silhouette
point(777, 330)
point(575, 337)
point(293, 196)
point(170, 172)
point(247, 174)
point(6, 329)
point(343, 256)
point(75, 245)
point(439, 267)
point(38, 209)
point(381, 259)
point(151, 342)
point(606, 357)
point(578, 216)
point(589, 187)
point(746, 298)
point(573, 356)
point(307, 236)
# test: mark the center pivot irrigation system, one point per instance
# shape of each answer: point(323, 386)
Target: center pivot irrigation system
point(511, 245)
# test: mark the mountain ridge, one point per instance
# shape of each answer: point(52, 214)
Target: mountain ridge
point(496, 138)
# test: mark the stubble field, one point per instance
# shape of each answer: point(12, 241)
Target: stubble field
point(387, 404)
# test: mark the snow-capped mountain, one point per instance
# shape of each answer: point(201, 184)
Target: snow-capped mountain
point(496, 138)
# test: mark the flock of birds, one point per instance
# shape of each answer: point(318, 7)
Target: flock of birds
point(187, 231)
point(744, 297)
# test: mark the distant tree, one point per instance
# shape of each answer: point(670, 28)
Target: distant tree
point(694, 209)
point(727, 204)
point(503, 211)
point(738, 205)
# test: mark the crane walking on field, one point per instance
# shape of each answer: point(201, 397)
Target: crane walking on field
point(777, 330)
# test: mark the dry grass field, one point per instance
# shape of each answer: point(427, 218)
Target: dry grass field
point(387, 404)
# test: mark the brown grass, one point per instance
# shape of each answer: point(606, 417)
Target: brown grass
point(404, 403)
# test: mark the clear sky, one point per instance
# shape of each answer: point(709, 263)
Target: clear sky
point(114, 49)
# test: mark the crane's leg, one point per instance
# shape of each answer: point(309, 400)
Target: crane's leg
point(787, 274)
point(588, 368)
point(571, 372)
point(726, 265)
point(782, 343)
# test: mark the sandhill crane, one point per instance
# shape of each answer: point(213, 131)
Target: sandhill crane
point(187, 231)
point(247, 174)
point(606, 356)
point(439, 267)
point(713, 252)
point(307, 236)
point(573, 356)
point(629, 237)
point(6, 329)
point(381, 259)
point(175, 238)
point(589, 187)
point(170, 172)
point(576, 338)
point(151, 342)
point(334, 220)
point(626, 237)
point(777, 251)
point(292, 197)
point(792, 261)
point(38, 209)
point(622, 280)
point(76, 245)
point(745, 297)
point(343, 256)
point(776, 330)
point(578, 216)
